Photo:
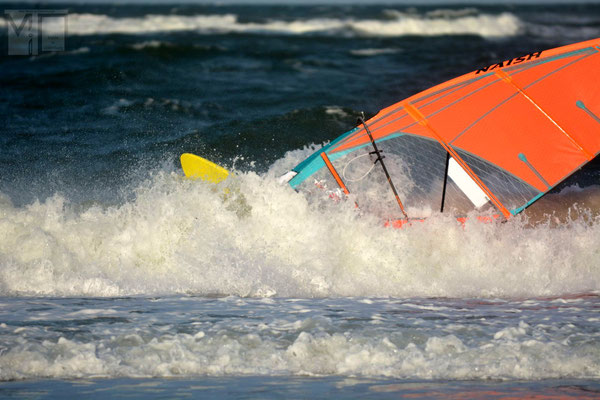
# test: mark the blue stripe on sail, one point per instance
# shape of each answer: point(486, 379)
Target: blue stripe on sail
point(582, 105)
point(523, 158)
point(542, 61)
point(530, 202)
point(536, 198)
point(314, 162)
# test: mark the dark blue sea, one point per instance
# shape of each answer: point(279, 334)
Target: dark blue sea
point(120, 278)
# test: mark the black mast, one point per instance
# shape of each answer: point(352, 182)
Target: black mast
point(377, 152)
point(445, 182)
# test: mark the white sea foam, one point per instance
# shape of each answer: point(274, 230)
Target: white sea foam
point(181, 236)
point(336, 111)
point(179, 336)
point(150, 44)
point(373, 52)
point(114, 108)
point(521, 352)
point(440, 23)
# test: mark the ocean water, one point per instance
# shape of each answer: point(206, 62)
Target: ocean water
point(120, 278)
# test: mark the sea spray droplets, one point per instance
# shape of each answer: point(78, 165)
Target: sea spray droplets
point(181, 236)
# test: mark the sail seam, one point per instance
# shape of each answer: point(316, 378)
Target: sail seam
point(523, 158)
point(420, 118)
point(506, 78)
point(512, 96)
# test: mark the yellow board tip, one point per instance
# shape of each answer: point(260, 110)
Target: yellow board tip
point(196, 167)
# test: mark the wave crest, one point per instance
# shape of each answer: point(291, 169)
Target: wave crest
point(448, 22)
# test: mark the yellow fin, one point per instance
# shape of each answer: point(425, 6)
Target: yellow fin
point(196, 167)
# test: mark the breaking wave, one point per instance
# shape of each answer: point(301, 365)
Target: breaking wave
point(513, 353)
point(263, 239)
point(441, 22)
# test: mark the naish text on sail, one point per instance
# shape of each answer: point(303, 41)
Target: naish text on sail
point(514, 61)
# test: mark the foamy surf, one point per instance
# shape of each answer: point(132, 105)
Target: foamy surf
point(369, 338)
point(181, 236)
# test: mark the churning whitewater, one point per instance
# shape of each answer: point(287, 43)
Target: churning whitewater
point(403, 339)
point(180, 236)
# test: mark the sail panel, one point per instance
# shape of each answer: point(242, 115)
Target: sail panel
point(521, 125)
point(510, 190)
point(517, 127)
point(576, 106)
point(417, 168)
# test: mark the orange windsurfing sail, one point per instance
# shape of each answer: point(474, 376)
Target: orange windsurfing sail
point(502, 136)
